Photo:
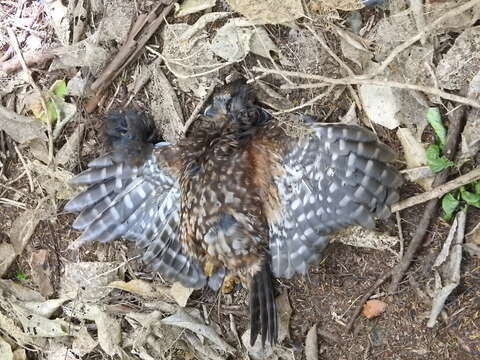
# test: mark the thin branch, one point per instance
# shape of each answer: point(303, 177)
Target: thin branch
point(27, 170)
point(307, 103)
point(439, 191)
point(358, 81)
point(197, 109)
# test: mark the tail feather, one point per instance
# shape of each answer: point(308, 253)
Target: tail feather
point(263, 312)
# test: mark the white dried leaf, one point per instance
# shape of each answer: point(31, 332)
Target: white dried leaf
point(381, 105)
point(188, 7)
point(415, 155)
point(58, 15)
point(311, 344)
point(180, 293)
point(39, 326)
point(44, 308)
point(268, 11)
point(5, 350)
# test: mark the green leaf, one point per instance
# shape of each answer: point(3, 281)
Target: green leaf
point(469, 197)
point(476, 186)
point(59, 88)
point(20, 276)
point(435, 121)
point(436, 162)
point(449, 205)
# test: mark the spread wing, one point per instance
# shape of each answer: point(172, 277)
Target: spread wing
point(335, 177)
point(130, 195)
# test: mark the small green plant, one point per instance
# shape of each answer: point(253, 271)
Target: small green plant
point(468, 194)
point(435, 161)
point(20, 276)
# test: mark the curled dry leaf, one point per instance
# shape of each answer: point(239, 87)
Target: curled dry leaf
point(373, 308)
point(447, 266)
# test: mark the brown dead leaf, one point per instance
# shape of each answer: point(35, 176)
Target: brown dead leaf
point(373, 308)
point(41, 271)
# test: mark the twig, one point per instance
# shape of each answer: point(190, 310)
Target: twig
point(340, 62)
point(141, 32)
point(438, 191)
point(197, 109)
point(457, 120)
point(27, 170)
point(400, 234)
point(307, 103)
point(18, 52)
point(359, 81)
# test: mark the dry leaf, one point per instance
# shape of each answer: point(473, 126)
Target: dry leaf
point(141, 287)
point(7, 257)
point(269, 11)
point(180, 293)
point(373, 308)
point(311, 344)
point(184, 320)
point(188, 7)
point(88, 279)
point(21, 128)
point(41, 272)
point(361, 237)
point(380, 104)
point(5, 350)
point(415, 155)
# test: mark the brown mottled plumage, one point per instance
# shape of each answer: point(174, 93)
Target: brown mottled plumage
point(239, 196)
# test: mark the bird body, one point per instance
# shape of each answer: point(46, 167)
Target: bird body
point(239, 196)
